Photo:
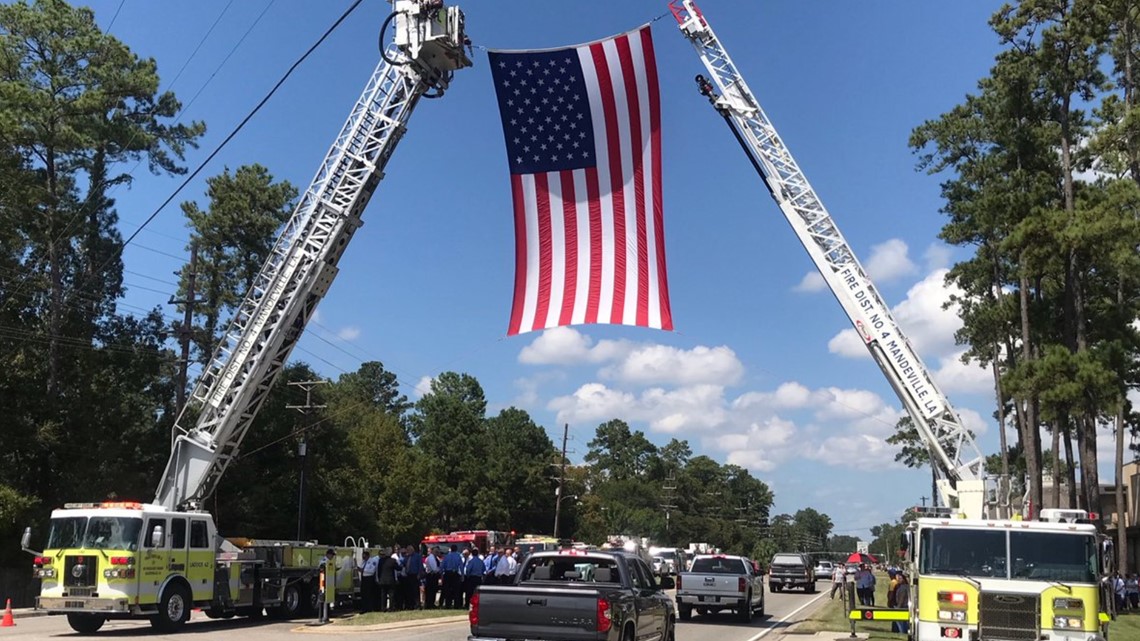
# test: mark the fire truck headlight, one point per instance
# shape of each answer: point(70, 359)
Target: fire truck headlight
point(951, 615)
point(1067, 623)
point(1069, 604)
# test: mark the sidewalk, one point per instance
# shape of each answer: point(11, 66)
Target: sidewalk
point(332, 628)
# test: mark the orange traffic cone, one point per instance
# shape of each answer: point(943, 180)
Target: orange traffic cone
point(8, 621)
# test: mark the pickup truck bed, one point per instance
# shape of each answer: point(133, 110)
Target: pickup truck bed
point(575, 596)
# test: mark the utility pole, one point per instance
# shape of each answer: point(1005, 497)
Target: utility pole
point(667, 495)
point(923, 499)
point(561, 479)
point(185, 333)
point(302, 449)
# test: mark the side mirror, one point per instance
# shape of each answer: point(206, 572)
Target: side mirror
point(26, 540)
point(156, 537)
point(666, 583)
point(904, 541)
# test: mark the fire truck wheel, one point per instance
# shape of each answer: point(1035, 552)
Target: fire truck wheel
point(86, 623)
point(293, 601)
point(173, 609)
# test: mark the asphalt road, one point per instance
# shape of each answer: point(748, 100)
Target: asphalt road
point(782, 610)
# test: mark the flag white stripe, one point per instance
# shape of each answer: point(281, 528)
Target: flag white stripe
point(557, 250)
point(530, 299)
point(601, 151)
point(628, 245)
point(582, 213)
point(648, 177)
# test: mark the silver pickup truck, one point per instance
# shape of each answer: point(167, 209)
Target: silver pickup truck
point(718, 582)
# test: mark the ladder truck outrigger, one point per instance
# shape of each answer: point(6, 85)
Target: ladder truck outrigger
point(981, 577)
point(160, 560)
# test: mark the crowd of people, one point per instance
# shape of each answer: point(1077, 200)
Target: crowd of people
point(1127, 591)
point(403, 578)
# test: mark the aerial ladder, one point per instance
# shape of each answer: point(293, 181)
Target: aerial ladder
point(160, 560)
point(427, 49)
point(954, 454)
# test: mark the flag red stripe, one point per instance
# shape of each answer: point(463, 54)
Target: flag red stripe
point(617, 195)
point(655, 141)
point(633, 102)
point(542, 206)
point(570, 222)
point(520, 255)
point(595, 294)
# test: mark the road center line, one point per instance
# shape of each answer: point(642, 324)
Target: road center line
point(791, 614)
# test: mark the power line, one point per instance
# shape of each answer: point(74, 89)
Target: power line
point(243, 122)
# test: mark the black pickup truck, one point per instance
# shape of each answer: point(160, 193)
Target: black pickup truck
point(576, 595)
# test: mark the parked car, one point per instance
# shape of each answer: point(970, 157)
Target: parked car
point(660, 566)
point(720, 582)
point(587, 595)
point(823, 570)
point(791, 570)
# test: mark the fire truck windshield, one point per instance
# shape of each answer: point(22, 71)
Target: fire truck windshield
point(97, 532)
point(1029, 556)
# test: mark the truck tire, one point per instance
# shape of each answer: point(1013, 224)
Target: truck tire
point(761, 612)
point(777, 587)
point(686, 611)
point(86, 623)
point(670, 630)
point(173, 609)
point(745, 611)
point(293, 600)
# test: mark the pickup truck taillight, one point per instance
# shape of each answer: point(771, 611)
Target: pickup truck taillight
point(473, 613)
point(605, 616)
point(678, 582)
point(741, 584)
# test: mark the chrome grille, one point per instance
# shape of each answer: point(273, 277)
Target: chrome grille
point(1008, 616)
point(81, 592)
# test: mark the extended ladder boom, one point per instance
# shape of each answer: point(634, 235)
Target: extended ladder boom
point(954, 453)
point(428, 48)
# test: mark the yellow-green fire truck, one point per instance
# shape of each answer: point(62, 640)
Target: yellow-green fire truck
point(1015, 580)
point(976, 579)
point(124, 559)
point(162, 559)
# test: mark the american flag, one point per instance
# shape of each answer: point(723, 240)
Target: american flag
point(583, 134)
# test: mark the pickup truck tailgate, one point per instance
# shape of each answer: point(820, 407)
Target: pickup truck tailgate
point(711, 586)
point(518, 612)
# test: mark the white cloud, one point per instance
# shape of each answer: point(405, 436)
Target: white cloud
point(665, 364)
point(954, 376)
point(423, 387)
point(848, 344)
point(889, 261)
point(349, 333)
point(921, 316)
point(568, 346)
point(811, 282)
point(937, 256)
point(697, 407)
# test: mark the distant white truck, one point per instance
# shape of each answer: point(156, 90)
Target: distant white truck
point(719, 582)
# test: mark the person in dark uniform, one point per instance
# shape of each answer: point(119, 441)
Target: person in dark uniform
point(452, 579)
point(473, 572)
point(386, 577)
point(410, 582)
point(432, 573)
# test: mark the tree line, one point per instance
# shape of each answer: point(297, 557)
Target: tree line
point(92, 384)
point(1041, 168)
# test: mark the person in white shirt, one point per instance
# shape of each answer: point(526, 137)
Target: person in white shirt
point(839, 581)
point(432, 574)
point(368, 585)
point(506, 567)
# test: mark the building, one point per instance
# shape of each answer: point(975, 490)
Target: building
point(1107, 509)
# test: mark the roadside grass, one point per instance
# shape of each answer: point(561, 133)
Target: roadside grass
point(374, 618)
point(1126, 626)
point(833, 618)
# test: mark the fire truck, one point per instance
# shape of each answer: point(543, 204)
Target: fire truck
point(972, 575)
point(479, 539)
point(162, 559)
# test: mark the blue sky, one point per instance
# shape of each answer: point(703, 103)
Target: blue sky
point(762, 370)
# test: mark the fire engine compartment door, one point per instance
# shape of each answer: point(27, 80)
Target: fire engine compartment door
point(200, 571)
point(153, 560)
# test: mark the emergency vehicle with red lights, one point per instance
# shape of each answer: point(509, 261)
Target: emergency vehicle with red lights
point(162, 559)
point(481, 540)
